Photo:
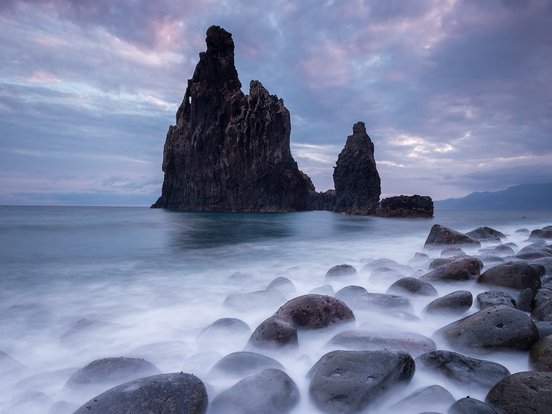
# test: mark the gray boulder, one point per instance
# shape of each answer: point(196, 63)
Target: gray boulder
point(522, 393)
point(433, 397)
point(486, 234)
point(455, 303)
point(494, 298)
point(412, 286)
point(440, 235)
point(513, 275)
point(315, 312)
point(274, 332)
point(540, 356)
point(241, 364)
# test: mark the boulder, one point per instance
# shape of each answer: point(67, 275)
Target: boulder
point(433, 397)
point(363, 340)
point(543, 312)
point(513, 275)
point(315, 312)
point(224, 330)
point(494, 298)
point(356, 179)
point(544, 327)
point(385, 274)
point(405, 206)
point(229, 151)
point(465, 371)
point(359, 298)
point(350, 381)
point(452, 251)
point(542, 295)
point(525, 300)
point(541, 234)
point(534, 251)
point(522, 393)
point(244, 302)
point(341, 270)
point(412, 286)
point(274, 332)
point(540, 356)
point(455, 269)
point(283, 285)
point(164, 393)
point(455, 303)
point(486, 234)
point(498, 328)
point(440, 235)
point(470, 406)
point(270, 391)
point(241, 364)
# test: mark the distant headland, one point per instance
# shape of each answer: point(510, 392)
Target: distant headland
point(231, 152)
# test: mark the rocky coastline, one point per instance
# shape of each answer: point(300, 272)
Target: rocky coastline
point(366, 366)
point(229, 151)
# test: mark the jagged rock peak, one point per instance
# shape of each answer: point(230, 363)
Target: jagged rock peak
point(356, 179)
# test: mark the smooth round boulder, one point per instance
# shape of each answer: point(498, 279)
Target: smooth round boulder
point(341, 270)
point(541, 234)
point(486, 234)
point(540, 356)
point(273, 333)
point(522, 393)
point(543, 295)
point(111, 371)
point(350, 381)
point(452, 252)
point(385, 274)
point(513, 275)
point(460, 369)
point(534, 251)
point(543, 312)
point(439, 235)
point(243, 363)
point(455, 303)
point(458, 269)
point(498, 328)
point(470, 406)
point(411, 286)
point(525, 300)
point(165, 393)
point(433, 397)
point(315, 312)
point(270, 391)
point(412, 343)
point(383, 262)
point(359, 298)
point(283, 285)
point(494, 298)
point(223, 330)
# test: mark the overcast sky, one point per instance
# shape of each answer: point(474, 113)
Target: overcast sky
point(456, 95)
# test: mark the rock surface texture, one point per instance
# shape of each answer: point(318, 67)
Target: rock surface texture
point(229, 151)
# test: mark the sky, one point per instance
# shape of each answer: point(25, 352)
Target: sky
point(456, 94)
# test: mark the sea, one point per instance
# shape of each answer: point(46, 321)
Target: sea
point(83, 283)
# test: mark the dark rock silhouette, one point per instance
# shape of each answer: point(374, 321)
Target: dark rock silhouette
point(229, 151)
point(356, 179)
point(405, 206)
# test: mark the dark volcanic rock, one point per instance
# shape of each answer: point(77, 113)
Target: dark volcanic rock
point(453, 269)
point(270, 391)
point(493, 329)
point(522, 393)
point(543, 312)
point(413, 286)
point(535, 251)
point(224, 328)
point(359, 298)
point(543, 295)
point(540, 356)
point(470, 406)
point(541, 234)
point(405, 206)
point(165, 393)
point(230, 151)
point(525, 300)
point(468, 372)
point(439, 235)
point(356, 179)
point(341, 270)
point(349, 381)
point(433, 397)
point(244, 363)
point(315, 312)
point(486, 233)
point(412, 343)
point(455, 303)
point(111, 371)
point(544, 327)
point(494, 298)
point(514, 275)
point(274, 332)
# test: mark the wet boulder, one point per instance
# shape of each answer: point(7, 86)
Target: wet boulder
point(433, 397)
point(522, 393)
point(535, 251)
point(165, 393)
point(540, 356)
point(223, 331)
point(368, 340)
point(412, 286)
point(350, 381)
point(543, 312)
point(241, 364)
point(513, 275)
point(315, 312)
point(440, 235)
point(359, 298)
point(385, 274)
point(543, 295)
point(544, 327)
point(486, 234)
point(494, 298)
point(525, 300)
point(283, 285)
point(545, 233)
point(498, 328)
point(109, 372)
point(342, 270)
point(452, 251)
point(470, 406)
point(468, 372)
point(270, 391)
point(455, 269)
point(274, 332)
point(455, 303)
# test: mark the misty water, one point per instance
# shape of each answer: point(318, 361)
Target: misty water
point(83, 283)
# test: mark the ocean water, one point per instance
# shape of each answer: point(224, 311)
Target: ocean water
point(83, 283)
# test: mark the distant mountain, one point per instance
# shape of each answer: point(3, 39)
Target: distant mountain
point(519, 197)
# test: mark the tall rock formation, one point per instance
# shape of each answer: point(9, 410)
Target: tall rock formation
point(229, 151)
point(356, 179)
